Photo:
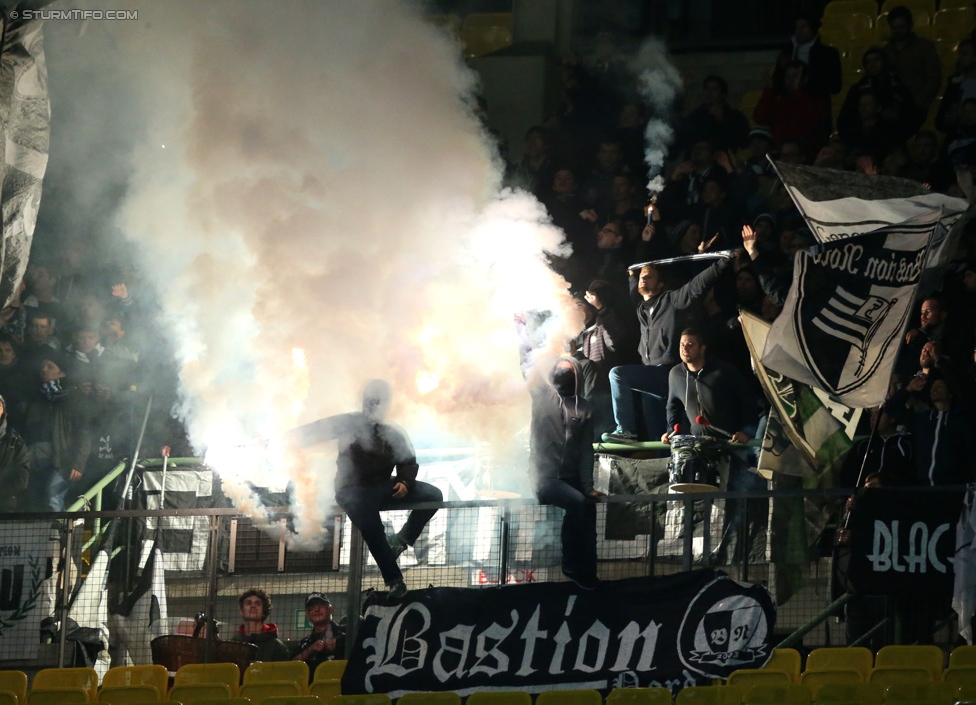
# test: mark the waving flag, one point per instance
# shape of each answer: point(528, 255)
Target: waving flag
point(846, 311)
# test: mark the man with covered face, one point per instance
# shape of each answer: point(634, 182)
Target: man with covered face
point(561, 459)
point(369, 452)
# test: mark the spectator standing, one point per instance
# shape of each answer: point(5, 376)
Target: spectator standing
point(822, 61)
point(561, 461)
point(327, 641)
point(643, 388)
point(790, 111)
point(255, 608)
point(715, 120)
point(56, 430)
point(15, 465)
point(960, 88)
point(895, 108)
point(914, 61)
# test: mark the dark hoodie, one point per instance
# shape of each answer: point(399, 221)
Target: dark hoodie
point(14, 466)
point(561, 435)
point(270, 647)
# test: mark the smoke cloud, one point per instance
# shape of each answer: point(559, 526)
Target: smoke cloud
point(659, 84)
point(317, 204)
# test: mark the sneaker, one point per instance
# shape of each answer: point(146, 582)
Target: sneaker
point(397, 591)
point(398, 547)
point(587, 583)
point(620, 436)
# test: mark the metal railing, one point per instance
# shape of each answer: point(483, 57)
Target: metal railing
point(479, 542)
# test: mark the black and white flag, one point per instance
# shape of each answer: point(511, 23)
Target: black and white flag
point(841, 204)
point(25, 117)
point(847, 310)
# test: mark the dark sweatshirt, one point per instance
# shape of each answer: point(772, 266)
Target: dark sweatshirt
point(561, 434)
point(270, 647)
point(368, 451)
point(659, 316)
point(717, 392)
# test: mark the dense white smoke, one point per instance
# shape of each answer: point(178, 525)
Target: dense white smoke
point(318, 206)
point(659, 84)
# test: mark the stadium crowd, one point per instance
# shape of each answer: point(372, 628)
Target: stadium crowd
point(587, 164)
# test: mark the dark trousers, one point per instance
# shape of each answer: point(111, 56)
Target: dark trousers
point(579, 524)
point(639, 394)
point(363, 504)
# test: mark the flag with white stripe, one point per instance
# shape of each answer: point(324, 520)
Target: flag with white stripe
point(837, 205)
point(847, 310)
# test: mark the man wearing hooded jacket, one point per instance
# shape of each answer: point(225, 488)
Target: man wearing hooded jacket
point(369, 452)
point(255, 607)
point(561, 459)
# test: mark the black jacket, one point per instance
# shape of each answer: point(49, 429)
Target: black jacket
point(368, 451)
point(561, 434)
point(659, 316)
point(717, 392)
point(14, 469)
point(324, 655)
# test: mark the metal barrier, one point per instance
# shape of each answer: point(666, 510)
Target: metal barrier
point(211, 556)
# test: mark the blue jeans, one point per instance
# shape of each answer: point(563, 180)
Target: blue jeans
point(579, 524)
point(46, 490)
point(639, 394)
point(363, 503)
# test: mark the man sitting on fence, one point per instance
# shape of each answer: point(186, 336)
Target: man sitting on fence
point(255, 608)
point(327, 640)
point(369, 452)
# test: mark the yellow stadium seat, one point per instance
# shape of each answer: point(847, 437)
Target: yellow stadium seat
point(815, 680)
point(946, 4)
point(960, 675)
point(84, 678)
point(329, 670)
point(258, 692)
point(852, 58)
point(206, 673)
point(293, 700)
point(8, 698)
point(381, 699)
point(844, 658)
point(197, 692)
point(965, 692)
point(16, 683)
point(792, 694)
point(501, 697)
point(227, 701)
point(639, 696)
point(709, 695)
point(897, 675)
point(917, 7)
point(748, 677)
point(156, 676)
point(938, 693)
point(928, 657)
point(847, 7)
point(326, 690)
point(486, 32)
point(128, 694)
point(450, 23)
point(861, 693)
point(960, 656)
point(786, 660)
point(569, 697)
point(957, 21)
point(275, 671)
point(58, 696)
point(429, 698)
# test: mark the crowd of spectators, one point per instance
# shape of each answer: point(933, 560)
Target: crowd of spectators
point(586, 164)
point(70, 349)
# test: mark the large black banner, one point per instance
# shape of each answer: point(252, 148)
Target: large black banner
point(673, 631)
point(903, 544)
